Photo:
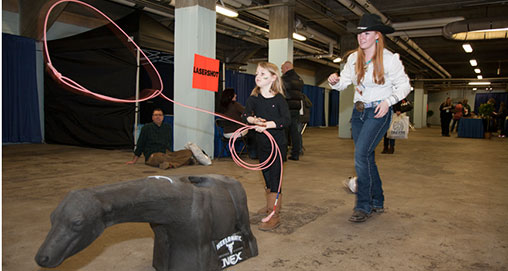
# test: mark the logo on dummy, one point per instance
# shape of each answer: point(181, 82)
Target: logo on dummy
point(229, 250)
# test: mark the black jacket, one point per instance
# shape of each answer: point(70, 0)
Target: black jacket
point(293, 86)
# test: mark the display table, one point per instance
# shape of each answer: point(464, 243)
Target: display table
point(471, 128)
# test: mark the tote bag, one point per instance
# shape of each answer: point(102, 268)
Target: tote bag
point(399, 127)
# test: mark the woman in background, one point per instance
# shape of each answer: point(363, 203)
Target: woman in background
point(445, 110)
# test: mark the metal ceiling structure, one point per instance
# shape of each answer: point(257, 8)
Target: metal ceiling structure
point(423, 37)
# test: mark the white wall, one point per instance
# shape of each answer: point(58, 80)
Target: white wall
point(10, 22)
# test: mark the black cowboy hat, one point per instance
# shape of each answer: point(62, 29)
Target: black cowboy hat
point(372, 22)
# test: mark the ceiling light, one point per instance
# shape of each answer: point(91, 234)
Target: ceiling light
point(337, 60)
point(477, 29)
point(473, 62)
point(475, 88)
point(477, 70)
point(226, 11)
point(491, 30)
point(299, 37)
point(479, 83)
point(479, 77)
point(467, 47)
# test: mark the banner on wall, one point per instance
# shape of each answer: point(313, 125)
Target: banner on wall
point(205, 74)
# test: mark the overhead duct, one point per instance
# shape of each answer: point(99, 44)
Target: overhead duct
point(477, 29)
point(430, 32)
point(313, 34)
point(415, 55)
point(329, 55)
point(421, 24)
point(232, 3)
point(147, 9)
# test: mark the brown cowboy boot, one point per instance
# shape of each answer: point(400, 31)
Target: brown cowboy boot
point(264, 210)
point(274, 221)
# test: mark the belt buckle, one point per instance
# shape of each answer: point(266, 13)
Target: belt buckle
point(359, 106)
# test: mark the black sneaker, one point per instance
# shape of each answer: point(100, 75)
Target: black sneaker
point(359, 216)
point(378, 210)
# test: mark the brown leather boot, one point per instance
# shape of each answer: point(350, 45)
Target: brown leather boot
point(265, 209)
point(274, 221)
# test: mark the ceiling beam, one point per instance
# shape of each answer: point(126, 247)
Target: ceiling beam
point(32, 14)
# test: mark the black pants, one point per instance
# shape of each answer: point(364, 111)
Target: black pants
point(388, 142)
point(271, 174)
point(294, 135)
point(445, 126)
point(501, 123)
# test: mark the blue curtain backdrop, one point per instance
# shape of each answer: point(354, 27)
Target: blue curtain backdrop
point(481, 98)
point(242, 83)
point(317, 97)
point(20, 105)
point(333, 118)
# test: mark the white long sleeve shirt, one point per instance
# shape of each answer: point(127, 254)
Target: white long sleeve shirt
point(395, 88)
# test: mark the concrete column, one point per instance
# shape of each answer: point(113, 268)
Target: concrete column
point(425, 106)
point(419, 108)
point(280, 43)
point(327, 106)
point(345, 109)
point(194, 34)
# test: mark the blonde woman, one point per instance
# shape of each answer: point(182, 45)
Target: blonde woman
point(268, 110)
point(380, 82)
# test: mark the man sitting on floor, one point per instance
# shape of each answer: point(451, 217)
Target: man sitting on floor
point(155, 143)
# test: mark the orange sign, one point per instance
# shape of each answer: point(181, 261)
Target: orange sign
point(205, 74)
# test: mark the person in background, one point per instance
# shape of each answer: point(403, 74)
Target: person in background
point(501, 119)
point(268, 110)
point(154, 143)
point(445, 110)
point(457, 115)
point(389, 143)
point(380, 82)
point(233, 110)
point(293, 87)
point(467, 109)
point(304, 117)
point(492, 124)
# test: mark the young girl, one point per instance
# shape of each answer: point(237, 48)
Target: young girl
point(268, 110)
point(380, 82)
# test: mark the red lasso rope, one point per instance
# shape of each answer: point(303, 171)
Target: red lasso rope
point(81, 89)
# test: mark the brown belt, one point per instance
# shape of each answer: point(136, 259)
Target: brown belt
point(359, 106)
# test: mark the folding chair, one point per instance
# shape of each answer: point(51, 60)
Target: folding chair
point(220, 123)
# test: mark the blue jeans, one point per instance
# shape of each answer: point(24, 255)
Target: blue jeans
point(367, 133)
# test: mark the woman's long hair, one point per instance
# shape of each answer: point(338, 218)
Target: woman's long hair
point(377, 61)
point(226, 98)
point(276, 85)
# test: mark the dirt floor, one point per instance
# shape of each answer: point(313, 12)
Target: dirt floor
point(446, 206)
